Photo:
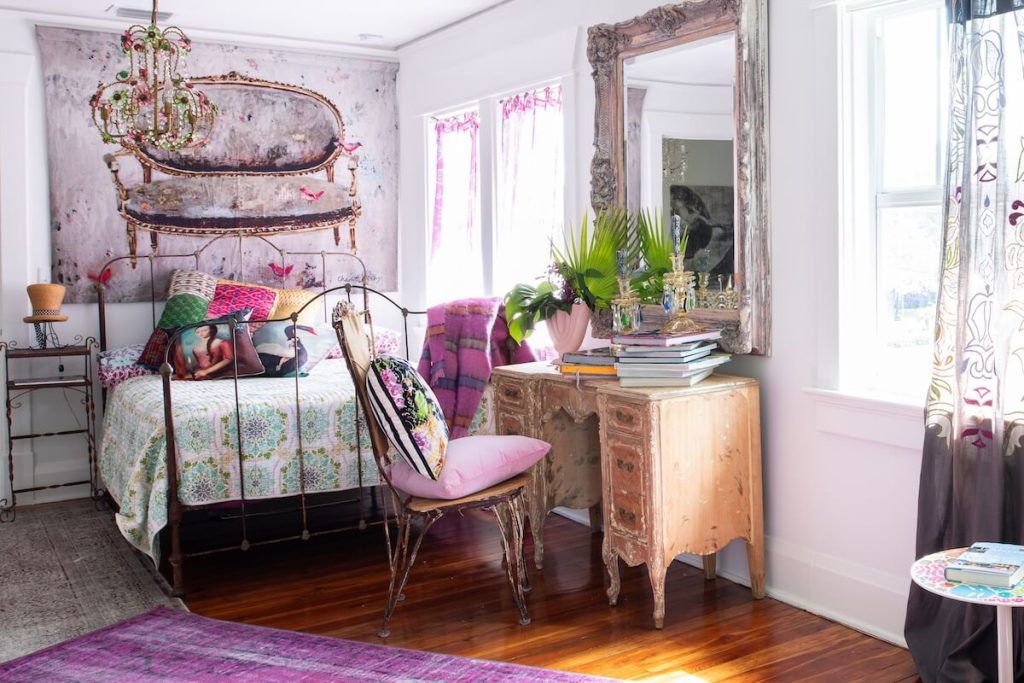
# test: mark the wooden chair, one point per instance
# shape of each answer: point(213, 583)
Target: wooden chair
point(505, 498)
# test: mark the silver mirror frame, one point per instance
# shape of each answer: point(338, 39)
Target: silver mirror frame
point(747, 330)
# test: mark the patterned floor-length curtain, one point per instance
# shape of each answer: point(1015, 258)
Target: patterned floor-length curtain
point(971, 486)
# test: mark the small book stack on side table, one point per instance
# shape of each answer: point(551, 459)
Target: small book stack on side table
point(16, 388)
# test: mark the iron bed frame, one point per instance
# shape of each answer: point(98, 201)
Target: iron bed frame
point(175, 508)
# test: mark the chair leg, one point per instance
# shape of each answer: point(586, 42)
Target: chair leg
point(510, 520)
point(402, 562)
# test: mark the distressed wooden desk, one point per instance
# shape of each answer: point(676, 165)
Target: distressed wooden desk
point(677, 469)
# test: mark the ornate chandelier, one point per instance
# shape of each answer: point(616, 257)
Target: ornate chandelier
point(152, 102)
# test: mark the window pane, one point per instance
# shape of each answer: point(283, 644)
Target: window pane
point(911, 93)
point(456, 264)
point(530, 181)
point(908, 282)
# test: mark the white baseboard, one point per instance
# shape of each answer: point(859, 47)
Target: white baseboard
point(845, 592)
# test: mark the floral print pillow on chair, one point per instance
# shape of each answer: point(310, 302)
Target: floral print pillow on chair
point(409, 414)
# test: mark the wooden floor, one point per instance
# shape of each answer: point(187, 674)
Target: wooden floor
point(458, 602)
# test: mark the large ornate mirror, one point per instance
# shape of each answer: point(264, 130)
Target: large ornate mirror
point(681, 127)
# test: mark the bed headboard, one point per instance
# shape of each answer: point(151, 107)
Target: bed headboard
point(278, 264)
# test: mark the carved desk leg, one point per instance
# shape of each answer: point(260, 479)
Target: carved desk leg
point(656, 568)
point(536, 497)
point(611, 563)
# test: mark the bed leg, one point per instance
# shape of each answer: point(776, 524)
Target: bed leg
point(176, 560)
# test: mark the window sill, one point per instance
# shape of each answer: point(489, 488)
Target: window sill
point(894, 422)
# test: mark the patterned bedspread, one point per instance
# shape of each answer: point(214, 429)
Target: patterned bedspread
point(133, 451)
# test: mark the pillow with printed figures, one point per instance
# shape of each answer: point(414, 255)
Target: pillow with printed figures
point(188, 301)
point(206, 351)
point(285, 347)
point(409, 414)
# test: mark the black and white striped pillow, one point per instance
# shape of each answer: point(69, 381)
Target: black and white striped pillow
point(409, 413)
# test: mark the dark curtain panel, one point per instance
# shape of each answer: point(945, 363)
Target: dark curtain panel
point(962, 11)
point(971, 487)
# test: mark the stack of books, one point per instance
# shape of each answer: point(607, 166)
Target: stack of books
point(657, 360)
point(990, 564)
point(592, 363)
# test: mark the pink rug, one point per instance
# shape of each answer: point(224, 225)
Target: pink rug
point(168, 645)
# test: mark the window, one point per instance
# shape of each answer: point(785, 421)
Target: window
point(890, 249)
point(456, 263)
point(529, 185)
point(496, 199)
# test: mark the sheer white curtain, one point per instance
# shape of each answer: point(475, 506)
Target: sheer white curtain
point(530, 180)
point(456, 261)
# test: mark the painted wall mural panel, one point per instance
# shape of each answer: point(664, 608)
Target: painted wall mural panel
point(264, 131)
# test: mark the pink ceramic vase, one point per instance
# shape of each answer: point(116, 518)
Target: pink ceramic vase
point(567, 330)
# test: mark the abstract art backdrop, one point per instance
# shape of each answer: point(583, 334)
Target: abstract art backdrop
point(87, 230)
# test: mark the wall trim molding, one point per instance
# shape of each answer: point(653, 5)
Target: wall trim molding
point(868, 419)
point(63, 20)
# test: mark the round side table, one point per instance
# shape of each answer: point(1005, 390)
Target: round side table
point(930, 573)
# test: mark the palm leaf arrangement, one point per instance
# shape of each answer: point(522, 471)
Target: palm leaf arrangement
point(585, 271)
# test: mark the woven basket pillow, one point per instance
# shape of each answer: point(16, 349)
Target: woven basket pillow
point(409, 414)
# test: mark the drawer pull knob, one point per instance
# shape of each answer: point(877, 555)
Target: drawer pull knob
point(627, 515)
point(623, 417)
point(512, 394)
point(623, 465)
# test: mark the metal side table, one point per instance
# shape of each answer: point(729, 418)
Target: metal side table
point(17, 388)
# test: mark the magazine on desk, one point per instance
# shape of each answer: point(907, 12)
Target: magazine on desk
point(990, 564)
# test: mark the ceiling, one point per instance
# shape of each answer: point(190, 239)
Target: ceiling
point(337, 22)
point(705, 62)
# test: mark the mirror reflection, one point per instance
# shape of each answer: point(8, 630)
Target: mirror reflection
point(679, 155)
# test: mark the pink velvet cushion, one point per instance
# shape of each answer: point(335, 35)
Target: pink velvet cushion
point(471, 464)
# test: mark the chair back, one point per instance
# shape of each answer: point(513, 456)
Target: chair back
point(357, 346)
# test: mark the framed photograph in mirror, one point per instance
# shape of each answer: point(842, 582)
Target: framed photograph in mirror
point(681, 127)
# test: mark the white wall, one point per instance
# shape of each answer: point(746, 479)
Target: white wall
point(840, 475)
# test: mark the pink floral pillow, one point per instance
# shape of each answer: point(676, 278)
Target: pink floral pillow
point(116, 365)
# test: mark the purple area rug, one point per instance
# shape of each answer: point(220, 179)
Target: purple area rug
point(166, 645)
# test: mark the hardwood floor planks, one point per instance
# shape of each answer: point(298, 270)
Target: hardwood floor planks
point(458, 602)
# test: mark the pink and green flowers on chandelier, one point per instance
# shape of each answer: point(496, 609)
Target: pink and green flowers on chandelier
point(152, 103)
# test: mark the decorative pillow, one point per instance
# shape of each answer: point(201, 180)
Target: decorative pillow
point(230, 296)
point(206, 352)
point(291, 300)
point(192, 282)
point(385, 343)
point(188, 301)
point(408, 413)
point(116, 365)
point(284, 347)
point(471, 464)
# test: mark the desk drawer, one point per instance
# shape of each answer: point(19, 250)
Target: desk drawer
point(510, 394)
point(628, 513)
point(627, 418)
point(627, 464)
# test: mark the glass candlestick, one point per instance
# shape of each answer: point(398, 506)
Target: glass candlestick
point(684, 298)
point(625, 309)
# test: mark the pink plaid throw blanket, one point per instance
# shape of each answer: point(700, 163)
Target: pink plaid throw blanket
point(465, 340)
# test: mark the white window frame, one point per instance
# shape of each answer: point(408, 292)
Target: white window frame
point(489, 108)
point(863, 198)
